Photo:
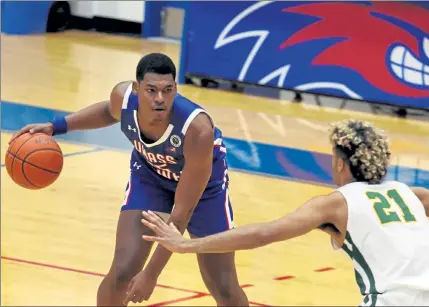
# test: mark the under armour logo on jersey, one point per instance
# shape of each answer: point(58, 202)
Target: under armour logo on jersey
point(137, 166)
point(132, 129)
point(175, 140)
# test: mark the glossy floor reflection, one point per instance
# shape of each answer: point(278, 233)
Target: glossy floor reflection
point(58, 242)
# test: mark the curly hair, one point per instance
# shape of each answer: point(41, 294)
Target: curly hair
point(364, 147)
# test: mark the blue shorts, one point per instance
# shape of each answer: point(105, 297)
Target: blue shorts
point(211, 215)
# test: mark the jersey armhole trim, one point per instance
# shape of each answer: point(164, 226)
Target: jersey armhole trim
point(127, 97)
point(349, 209)
point(191, 117)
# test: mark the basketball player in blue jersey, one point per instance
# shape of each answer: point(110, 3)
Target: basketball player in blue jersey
point(178, 170)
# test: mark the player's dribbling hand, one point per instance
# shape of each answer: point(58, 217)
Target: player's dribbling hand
point(46, 128)
point(167, 235)
point(140, 288)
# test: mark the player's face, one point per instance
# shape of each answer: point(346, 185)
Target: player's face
point(156, 94)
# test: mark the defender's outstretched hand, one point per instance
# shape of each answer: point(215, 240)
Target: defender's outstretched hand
point(167, 235)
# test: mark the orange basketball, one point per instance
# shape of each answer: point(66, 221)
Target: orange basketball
point(34, 161)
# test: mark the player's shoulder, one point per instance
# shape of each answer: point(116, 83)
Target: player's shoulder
point(192, 112)
point(120, 89)
point(389, 184)
point(201, 127)
point(199, 137)
point(354, 190)
point(333, 199)
point(202, 123)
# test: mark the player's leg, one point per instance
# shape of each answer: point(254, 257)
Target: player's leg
point(131, 251)
point(218, 271)
point(129, 258)
point(220, 277)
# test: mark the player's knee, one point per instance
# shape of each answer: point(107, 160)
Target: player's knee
point(227, 293)
point(123, 272)
point(228, 297)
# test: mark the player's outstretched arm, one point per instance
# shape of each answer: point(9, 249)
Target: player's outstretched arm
point(320, 210)
point(98, 115)
point(423, 195)
point(101, 114)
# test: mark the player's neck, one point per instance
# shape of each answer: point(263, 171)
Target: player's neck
point(347, 180)
point(150, 119)
point(152, 129)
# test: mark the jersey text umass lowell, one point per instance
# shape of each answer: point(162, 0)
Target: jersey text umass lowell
point(165, 156)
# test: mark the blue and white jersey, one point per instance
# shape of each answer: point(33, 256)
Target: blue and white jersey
point(164, 158)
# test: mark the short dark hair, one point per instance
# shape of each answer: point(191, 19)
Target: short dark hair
point(156, 63)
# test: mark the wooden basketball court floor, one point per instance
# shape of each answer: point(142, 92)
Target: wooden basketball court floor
point(57, 243)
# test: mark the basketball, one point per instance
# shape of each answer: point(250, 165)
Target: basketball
point(34, 161)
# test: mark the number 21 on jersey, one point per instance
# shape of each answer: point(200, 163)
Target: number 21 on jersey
point(383, 207)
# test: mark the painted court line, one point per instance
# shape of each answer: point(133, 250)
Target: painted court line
point(85, 272)
point(324, 269)
point(286, 277)
point(77, 153)
point(195, 294)
point(59, 139)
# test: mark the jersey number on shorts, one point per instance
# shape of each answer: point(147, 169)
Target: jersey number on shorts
point(383, 207)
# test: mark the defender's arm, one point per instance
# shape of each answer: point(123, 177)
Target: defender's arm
point(317, 211)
